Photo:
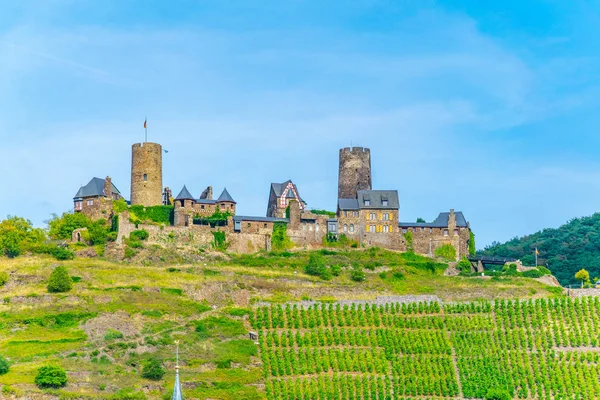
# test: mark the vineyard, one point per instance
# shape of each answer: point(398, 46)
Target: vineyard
point(534, 349)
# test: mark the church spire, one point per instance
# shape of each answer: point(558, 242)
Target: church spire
point(177, 387)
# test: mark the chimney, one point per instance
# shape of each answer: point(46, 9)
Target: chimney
point(108, 187)
point(451, 222)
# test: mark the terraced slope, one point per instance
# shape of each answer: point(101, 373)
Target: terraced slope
point(542, 349)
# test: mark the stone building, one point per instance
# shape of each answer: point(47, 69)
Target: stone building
point(146, 174)
point(354, 171)
point(280, 195)
point(187, 208)
point(95, 199)
point(448, 228)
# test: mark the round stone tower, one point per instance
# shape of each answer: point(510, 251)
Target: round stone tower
point(146, 174)
point(355, 171)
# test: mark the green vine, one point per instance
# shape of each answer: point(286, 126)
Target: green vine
point(280, 239)
point(408, 236)
point(472, 249)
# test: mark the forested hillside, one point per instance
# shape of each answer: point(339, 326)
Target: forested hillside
point(565, 250)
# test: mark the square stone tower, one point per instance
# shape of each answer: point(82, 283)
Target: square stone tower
point(146, 174)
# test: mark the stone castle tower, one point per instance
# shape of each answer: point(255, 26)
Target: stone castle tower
point(146, 174)
point(355, 171)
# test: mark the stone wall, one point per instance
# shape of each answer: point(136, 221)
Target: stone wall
point(426, 240)
point(354, 171)
point(100, 207)
point(146, 174)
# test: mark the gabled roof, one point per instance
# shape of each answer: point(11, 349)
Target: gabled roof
point(442, 219)
point(440, 222)
point(278, 189)
point(348, 204)
point(225, 196)
point(376, 199)
point(184, 194)
point(95, 187)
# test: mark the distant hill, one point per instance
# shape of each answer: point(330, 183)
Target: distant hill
point(564, 250)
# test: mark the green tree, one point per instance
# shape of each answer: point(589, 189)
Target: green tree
point(17, 235)
point(60, 281)
point(357, 274)
point(51, 376)
point(420, 220)
point(4, 365)
point(464, 265)
point(62, 227)
point(583, 276)
point(153, 369)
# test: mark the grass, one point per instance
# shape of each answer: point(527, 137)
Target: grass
point(162, 304)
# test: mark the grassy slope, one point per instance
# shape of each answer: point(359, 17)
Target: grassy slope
point(132, 299)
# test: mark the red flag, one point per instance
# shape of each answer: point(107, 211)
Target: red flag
point(146, 120)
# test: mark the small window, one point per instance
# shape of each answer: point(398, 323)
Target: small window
point(455, 232)
point(345, 227)
point(367, 202)
point(202, 207)
point(351, 227)
point(384, 203)
point(356, 213)
point(310, 227)
point(90, 202)
point(265, 225)
point(249, 224)
point(430, 230)
point(145, 177)
point(445, 232)
point(373, 217)
point(386, 228)
point(345, 213)
point(404, 230)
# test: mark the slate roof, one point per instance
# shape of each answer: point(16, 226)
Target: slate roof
point(278, 189)
point(376, 198)
point(258, 219)
point(225, 196)
point(95, 187)
point(184, 194)
point(206, 201)
point(440, 222)
point(348, 204)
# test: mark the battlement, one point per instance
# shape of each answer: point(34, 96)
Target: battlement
point(356, 150)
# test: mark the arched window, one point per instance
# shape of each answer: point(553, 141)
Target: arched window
point(345, 227)
point(351, 227)
point(145, 177)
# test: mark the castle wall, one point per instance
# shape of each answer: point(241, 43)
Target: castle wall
point(101, 207)
point(146, 174)
point(426, 240)
point(354, 171)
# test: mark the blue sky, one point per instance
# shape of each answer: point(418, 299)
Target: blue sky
point(485, 107)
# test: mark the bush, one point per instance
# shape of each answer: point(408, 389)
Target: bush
point(446, 251)
point(532, 273)
point(61, 253)
point(316, 267)
point(60, 281)
point(112, 236)
point(3, 278)
point(336, 269)
point(4, 365)
point(357, 274)
point(153, 369)
point(129, 252)
point(111, 334)
point(51, 376)
point(219, 241)
point(497, 394)
point(141, 234)
point(464, 265)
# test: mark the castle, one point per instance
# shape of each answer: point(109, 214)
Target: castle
point(366, 216)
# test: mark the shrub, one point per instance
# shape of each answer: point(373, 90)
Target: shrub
point(153, 369)
point(279, 239)
point(464, 265)
point(315, 264)
point(119, 206)
point(135, 244)
point(408, 236)
point(128, 394)
point(112, 236)
point(220, 326)
point(4, 365)
point(60, 281)
point(111, 334)
point(129, 252)
point(336, 269)
point(61, 253)
point(141, 234)
point(219, 241)
point(532, 273)
point(3, 278)
point(357, 274)
point(446, 251)
point(51, 376)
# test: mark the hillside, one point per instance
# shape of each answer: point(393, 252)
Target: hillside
point(564, 250)
point(120, 315)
